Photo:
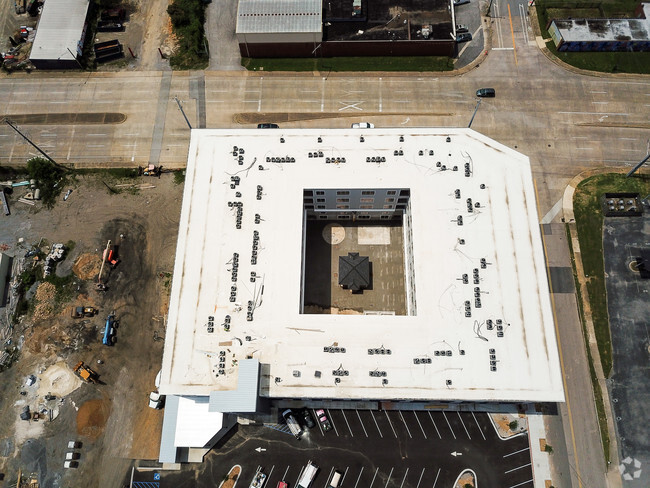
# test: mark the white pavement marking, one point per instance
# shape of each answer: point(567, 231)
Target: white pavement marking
point(436, 480)
point(329, 477)
point(404, 479)
point(345, 107)
point(98, 134)
point(391, 424)
point(479, 426)
point(373, 478)
point(461, 421)
point(259, 105)
point(70, 142)
point(94, 145)
point(452, 430)
point(345, 473)
point(552, 213)
point(381, 101)
point(376, 424)
point(593, 91)
point(389, 475)
point(434, 424)
point(601, 103)
point(524, 23)
point(362, 426)
point(594, 113)
point(270, 472)
point(516, 452)
point(497, 26)
point(358, 478)
point(405, 424)
point(346, 421)
point(329, 416)
point(502, 49)
point(284, 476)
point(522, 483)
point(421, 428)
point(515, 469)
point(421, 475)
point(299, 475)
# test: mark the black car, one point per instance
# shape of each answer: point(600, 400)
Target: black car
point(268, 126)
point(464, 37)
point(309, 421)
point(485, 92)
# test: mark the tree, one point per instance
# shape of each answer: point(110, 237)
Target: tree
point(513, 425)
point(50, 179)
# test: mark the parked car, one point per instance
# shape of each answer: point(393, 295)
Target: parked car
point(306, 416)
point(324, 421)
point(485, 92)
point(268, 126)
point(363, 125)
point(461, 28)
point(460, 2)
point(282, 484)
point(464, 37)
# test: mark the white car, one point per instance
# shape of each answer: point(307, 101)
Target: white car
point(156, 400)
point(363, 125)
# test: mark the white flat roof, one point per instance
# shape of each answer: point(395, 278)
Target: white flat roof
point(504, 231)
point(59, 29)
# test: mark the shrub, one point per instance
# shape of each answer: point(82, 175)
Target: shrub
point(513, 425)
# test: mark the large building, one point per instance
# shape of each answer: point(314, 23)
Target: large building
point(451, 305)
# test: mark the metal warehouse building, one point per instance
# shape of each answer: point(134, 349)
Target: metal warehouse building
point(60, 34)
point(454, 304)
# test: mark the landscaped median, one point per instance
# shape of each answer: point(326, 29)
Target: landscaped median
point(589, 273)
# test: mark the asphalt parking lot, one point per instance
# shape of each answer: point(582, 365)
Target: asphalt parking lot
point(373, 449)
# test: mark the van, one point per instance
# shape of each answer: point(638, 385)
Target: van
point(292, 423)
point(336, 479)
point(307, 475)
point(485, 92)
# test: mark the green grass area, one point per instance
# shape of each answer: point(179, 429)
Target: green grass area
point(606, 62)
point(589, 222)
point(406, 63)
point(598, 393)
point(188, 18)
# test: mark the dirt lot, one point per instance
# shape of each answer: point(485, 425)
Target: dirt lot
point(112, 418)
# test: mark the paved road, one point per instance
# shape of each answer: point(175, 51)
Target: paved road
point(565, 122)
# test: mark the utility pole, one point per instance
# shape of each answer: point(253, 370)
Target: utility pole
point(182, 111)
point(478, 103)
point(8, 122)
point(647, 156)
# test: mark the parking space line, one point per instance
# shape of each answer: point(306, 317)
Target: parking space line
point(299, 475)
point(479, 427)
point(461, 421)
point(362, 426)
point(346, 421)
point(515, 469)
point(284, 476)
point(373, 478)
point(452, 430)
point(391, 424)
point(329, 477)
point(421, 475)
point(345, 474)
point(405, 425)
point(332, 422)
point(376, 424)
point(522, 483)
point(434, 424)
point(516, 452)
point(404, 479)
point(270, 472)
point(355, 485)
point(436, 480)
point(389, 475)
point(422, 429)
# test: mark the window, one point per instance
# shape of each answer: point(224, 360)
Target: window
point(365, 206)
point(320, 192)
point(342, 200)
point(320, 207)
point(320, 200)
point(307, 200)
point(308, 193)
point(391, 192)
point(342, 192)
point(363, 217)
point(322, 216)
point(388, 206)
point(344, 217)
point(368, 192)
point(309, 207)
point(343, 207)
point(389, 200)
point(367, 200)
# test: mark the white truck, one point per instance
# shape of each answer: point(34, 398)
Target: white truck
point(307, 475)
point(292, 423)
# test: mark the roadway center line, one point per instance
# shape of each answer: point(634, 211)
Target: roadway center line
point(422, 429)
point(376, 424)
point(436, 480)
point(362, 426)
point(405, 424)
point(373, 478)
point(522, 483)
point(329, 415)
point(461, 421)
point(421, 475)
point(515, 469)
point(358, 478)
point(434, 424)
point(346, 421)
point(404, 479)
point(388, 479)
point(391, 424)
point(452, 430)
point(516, 452)
point(479, 427)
